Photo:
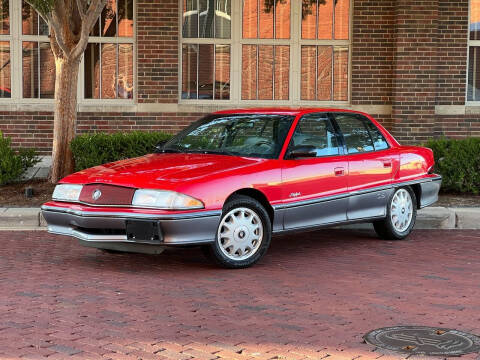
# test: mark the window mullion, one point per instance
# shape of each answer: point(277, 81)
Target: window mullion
point(236, 52)
point(295, 51)
point(16, 49)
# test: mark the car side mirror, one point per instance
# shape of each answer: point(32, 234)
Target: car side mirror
point(302, 151)
point(159, 146)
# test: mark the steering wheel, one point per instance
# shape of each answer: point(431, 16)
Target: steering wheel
point(263, 142)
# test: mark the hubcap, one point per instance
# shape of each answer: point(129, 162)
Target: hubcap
point(401, 210)
point(240, 234)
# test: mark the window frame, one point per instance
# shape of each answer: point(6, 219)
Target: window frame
point(363, 119)
point(16, 39)
point(236, 42)
point(470, 44)
point(13, 40)
point(337, 132)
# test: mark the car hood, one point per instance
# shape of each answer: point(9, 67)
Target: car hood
point(157, 170)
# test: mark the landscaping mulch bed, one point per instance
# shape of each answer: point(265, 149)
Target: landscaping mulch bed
point(13, 195)
point(448, 200)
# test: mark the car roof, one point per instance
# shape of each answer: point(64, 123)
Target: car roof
point(284, 111)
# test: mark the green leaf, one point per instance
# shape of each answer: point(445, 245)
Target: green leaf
point(44, 7)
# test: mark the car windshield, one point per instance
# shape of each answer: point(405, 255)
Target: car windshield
point(247, 135)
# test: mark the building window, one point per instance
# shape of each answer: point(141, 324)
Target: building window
point(107, 68)
point(265, 57)
point(206, 49)
point(272, 55)
point(473, 88)
point(38, 63)
point(108, 59)
point(5, 45)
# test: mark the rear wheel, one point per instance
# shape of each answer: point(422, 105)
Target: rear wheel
point(401, 215)
point(243, 235)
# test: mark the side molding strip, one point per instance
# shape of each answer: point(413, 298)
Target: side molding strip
point(353, 193)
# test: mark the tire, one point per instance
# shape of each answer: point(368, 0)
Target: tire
point(399, 225)
point(248, 238)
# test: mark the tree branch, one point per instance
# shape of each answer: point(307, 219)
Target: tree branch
point(58, 33)
point(81, 9)
point(43, 16)
point(91, 16)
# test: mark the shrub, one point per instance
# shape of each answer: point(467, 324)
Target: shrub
point(13, 165)
point(458, 161)
point(99, 148)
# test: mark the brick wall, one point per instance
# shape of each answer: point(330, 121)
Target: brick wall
point(157, 48)
point(373, 54)
point(452, 70)
point(373, 51)
point(452, 52)
point(407, 54)
point(34, 129)
point(415, 74)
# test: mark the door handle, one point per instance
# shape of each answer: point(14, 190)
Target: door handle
point(339, 171)
point(387, 163)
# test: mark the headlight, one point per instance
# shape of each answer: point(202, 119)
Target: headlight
point(67, 192)
point(163, 199)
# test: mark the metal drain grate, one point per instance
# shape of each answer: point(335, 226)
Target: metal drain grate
point(423, 340)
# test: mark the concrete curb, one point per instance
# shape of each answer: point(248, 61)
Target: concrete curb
point(28, 219)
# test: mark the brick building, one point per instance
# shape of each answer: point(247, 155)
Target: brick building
point(160, 64)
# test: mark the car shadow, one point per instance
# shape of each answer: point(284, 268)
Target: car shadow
point(286, 247)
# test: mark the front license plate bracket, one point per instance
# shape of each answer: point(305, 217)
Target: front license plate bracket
point(143, 230)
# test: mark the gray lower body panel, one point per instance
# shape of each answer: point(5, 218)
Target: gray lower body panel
point(324, 212)
point(357, 206)
point(111, 228)
point(368, 205)
point(429, 193)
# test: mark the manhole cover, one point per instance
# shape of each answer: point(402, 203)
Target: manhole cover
point(422, 340)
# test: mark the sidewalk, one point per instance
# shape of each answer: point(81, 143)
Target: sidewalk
point(428, 218)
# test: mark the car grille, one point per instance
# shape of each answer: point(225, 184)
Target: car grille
point(109, 194)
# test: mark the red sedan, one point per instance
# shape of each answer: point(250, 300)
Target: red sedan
point(232, 179)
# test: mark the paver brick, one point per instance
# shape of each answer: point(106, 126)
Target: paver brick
point(312, 297)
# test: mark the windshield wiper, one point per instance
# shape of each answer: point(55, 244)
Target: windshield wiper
point(222, 152)
point(168, 150)
point(194, 151)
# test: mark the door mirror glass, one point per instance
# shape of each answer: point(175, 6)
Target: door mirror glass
point(159, 146)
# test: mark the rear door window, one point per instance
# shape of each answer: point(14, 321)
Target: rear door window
point(356, 135)
point(379, 141)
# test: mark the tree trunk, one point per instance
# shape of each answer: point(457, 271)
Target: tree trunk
point(65, 117)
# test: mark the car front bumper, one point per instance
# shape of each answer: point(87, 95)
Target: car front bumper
point(110, 227)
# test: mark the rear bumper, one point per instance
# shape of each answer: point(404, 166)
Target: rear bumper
point(104, 227)
point(429, 191)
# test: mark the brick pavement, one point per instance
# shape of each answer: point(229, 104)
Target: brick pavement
point(312, 297)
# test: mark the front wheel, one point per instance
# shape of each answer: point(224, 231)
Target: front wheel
point(243, 235)
point(401, 215)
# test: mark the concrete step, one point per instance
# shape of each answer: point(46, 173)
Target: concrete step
point(467, 218)
point(435, 218)
point(19, 217)
point(438, 218)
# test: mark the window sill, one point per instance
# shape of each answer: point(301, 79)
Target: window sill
point(47, 105)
